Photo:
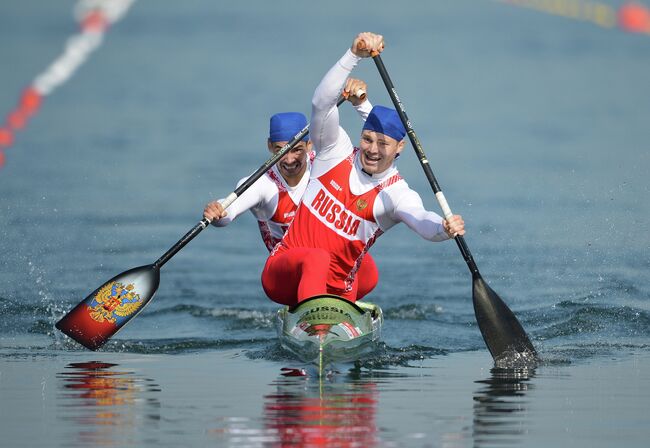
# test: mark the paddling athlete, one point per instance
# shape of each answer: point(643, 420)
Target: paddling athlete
point(354, 195)
point(273, 199)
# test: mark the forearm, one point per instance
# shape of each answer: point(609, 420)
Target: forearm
point(364, 109)
point(425, 223)
point(324, 125)
point(249, 199)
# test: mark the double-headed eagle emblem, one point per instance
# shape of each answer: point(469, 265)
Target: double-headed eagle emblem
point(114, 300)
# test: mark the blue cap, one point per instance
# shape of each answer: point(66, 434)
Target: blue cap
point(385, 121)
point(284, 126)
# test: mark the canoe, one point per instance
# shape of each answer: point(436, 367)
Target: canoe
point(326, 329)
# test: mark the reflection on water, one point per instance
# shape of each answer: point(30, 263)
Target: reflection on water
point(501, 407)
point(308, 412)
point(304, 414)
point(106, 406)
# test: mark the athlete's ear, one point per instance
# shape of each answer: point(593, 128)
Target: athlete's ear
point(400, 146)
point(309, 145)
point(269, 144)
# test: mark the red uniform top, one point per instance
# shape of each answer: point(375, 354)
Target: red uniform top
point(343, 210)
point(339, 221)
point(274, 228)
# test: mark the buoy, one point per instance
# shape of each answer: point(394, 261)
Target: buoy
point(6, 138)
point(30, 100)
point(94, 22)
point(634, 18)
point(17, 119)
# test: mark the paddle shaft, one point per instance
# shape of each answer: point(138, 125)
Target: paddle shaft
point(424, 162)
point(500, 328)
point(189, 236)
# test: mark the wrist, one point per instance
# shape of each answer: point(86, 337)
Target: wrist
point(349, 60)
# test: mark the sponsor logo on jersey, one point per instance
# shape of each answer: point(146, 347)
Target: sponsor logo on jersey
point(336, 186)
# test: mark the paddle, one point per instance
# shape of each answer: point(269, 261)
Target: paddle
point(501, 330)
point(111, 306)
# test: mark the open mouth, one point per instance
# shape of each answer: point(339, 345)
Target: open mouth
point(372, 159)
point(290, 166)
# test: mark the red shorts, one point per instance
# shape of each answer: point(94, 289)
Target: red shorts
point(297, 274)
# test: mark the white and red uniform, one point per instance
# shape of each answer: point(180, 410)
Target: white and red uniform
point(273, 203)
point(343, 210)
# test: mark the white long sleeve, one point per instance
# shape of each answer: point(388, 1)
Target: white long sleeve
point(324, 129)
point(364, 109)
point(427, 224)
point(261, 198)
point(398, 203)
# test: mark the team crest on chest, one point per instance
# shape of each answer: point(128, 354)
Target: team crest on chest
point(114, 300)
point(361, 204)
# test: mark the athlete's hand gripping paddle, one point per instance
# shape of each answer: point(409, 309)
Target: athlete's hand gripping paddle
point(111, 306)
point(502, 332)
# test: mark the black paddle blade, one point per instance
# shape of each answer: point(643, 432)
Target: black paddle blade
point(502, 332)
point(100, 315)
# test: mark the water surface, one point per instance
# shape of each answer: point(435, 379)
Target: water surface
point(536, 128)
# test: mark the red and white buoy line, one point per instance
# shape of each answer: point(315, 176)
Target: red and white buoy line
point(632, 16)
point(94, 17)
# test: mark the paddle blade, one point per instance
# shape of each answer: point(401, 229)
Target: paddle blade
point(100, 315)
point(502, 332)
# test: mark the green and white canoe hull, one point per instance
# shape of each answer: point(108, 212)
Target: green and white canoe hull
point(327, 329)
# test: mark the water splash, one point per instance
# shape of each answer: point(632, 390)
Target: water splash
point(512, 359)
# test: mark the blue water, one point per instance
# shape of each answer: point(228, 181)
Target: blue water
point(536, 126)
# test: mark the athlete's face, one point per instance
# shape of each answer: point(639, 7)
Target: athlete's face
point(378, 151)
point(294, 163)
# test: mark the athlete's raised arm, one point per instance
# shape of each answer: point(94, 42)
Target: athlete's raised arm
point(324, 127)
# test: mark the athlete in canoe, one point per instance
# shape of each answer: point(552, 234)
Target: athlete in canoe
point(354, 195)
point(273, 199)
